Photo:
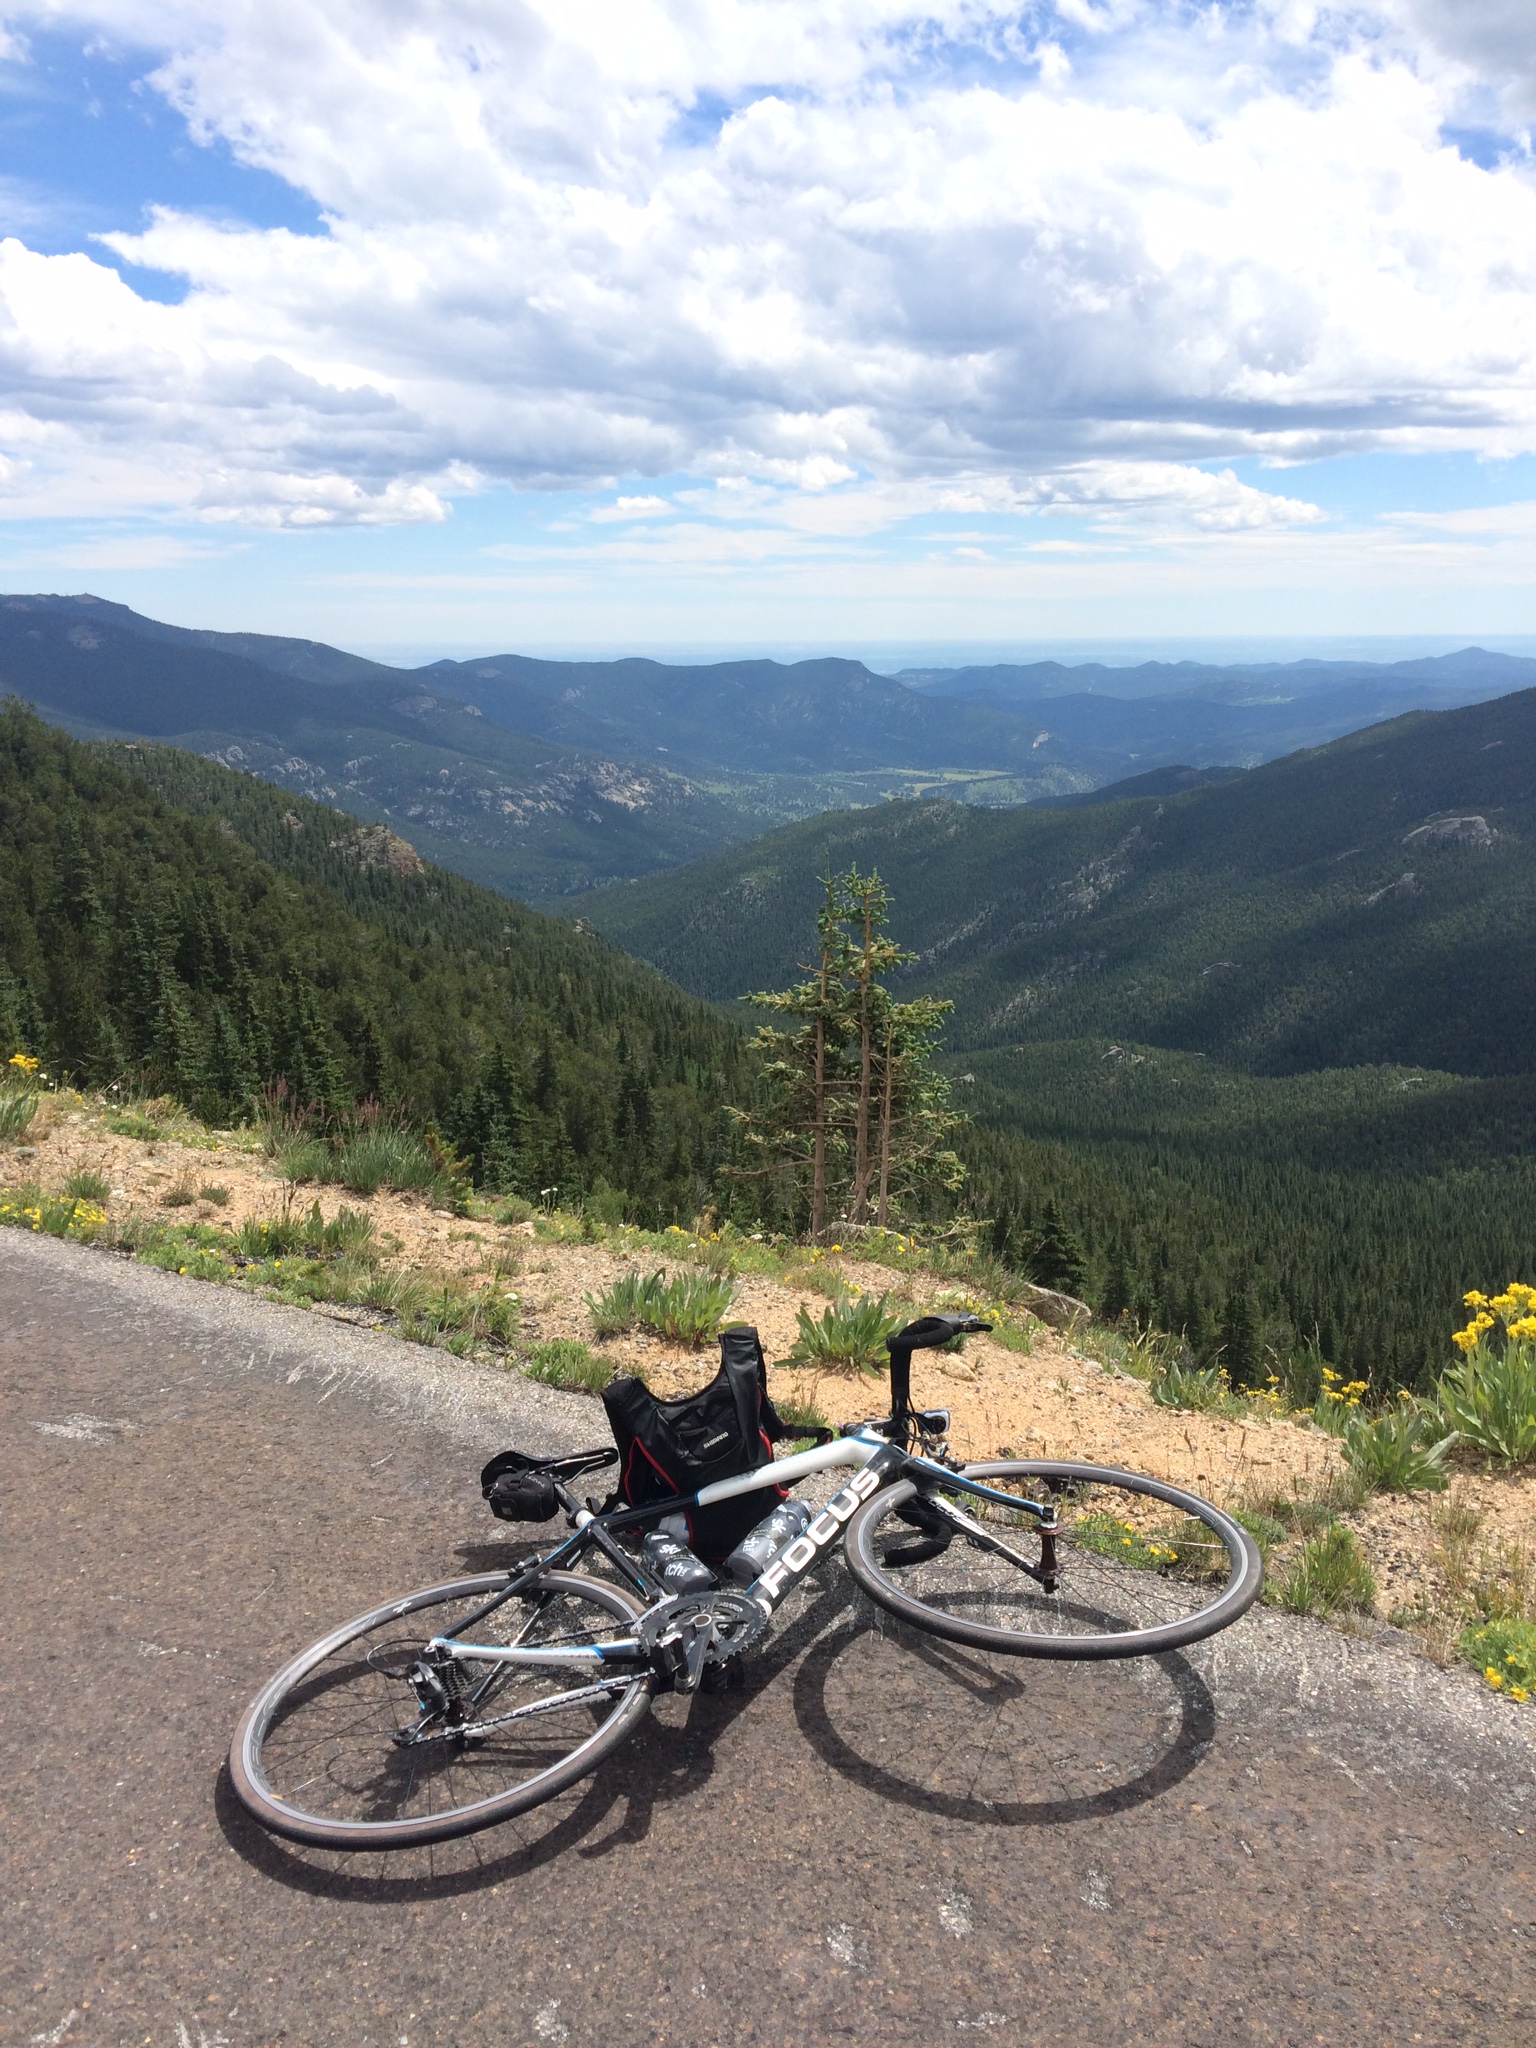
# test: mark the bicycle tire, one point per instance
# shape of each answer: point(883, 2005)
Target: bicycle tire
point(1118, 1564)
point(357, 1763)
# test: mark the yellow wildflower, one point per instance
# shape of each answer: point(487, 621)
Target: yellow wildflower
point(24, 1062)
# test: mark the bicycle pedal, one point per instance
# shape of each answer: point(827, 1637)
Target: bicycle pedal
point(730, 1675)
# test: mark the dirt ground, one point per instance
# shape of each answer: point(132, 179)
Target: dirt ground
point(1051, 1402)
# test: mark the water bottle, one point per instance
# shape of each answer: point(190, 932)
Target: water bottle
point(760, 1546)
point(666, 1551)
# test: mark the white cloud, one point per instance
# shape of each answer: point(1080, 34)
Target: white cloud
point(632, 508)
point(917, 259)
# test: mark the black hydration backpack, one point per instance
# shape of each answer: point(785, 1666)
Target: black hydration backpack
point(675, 1447)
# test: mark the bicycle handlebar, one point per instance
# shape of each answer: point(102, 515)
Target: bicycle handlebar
point(922, 1335)
point(930, 1330)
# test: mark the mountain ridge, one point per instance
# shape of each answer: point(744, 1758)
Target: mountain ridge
point(544, 778)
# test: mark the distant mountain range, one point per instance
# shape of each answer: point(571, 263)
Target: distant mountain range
point(547, 778)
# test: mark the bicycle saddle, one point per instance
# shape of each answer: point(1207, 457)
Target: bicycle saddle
point(563, 1469)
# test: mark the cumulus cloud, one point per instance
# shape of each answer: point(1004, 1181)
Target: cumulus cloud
point(841, 259)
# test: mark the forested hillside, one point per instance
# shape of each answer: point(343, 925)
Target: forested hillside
point(1266, 1044)
point(167, 920)
point(1367, 901)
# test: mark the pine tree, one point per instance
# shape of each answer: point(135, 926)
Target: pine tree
point(851, 1117)
point(1239, 1339)
point(1057, 1258)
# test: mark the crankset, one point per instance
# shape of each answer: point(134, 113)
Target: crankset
point(683, 1635)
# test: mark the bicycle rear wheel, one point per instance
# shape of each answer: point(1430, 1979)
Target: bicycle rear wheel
point(1141, 1567)
point(330, 1750)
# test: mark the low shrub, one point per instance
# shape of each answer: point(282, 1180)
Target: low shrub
point(688, 1309)
point(287, 1233)
point(1193, 1387)
point(1402, 1451)
point(18, 1106)
point(309, 1159)
point(179, 1250)
point(1109, 1535)
point(88, 1187)
point(1505, 1653)
point(1338, 1402)
point(1122, 1347)
point(566, 1362)
point(461, 1319)
point(385, 1158)
point(213, 1191)
point(1014, 1337)
point(848, 1337)
point(1489, 1400)
point(28, 1208)
point(1265, 1530)
point(127, 1124)
point(618, 1309)
point(1330, 1575)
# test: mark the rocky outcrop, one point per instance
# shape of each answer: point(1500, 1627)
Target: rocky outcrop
point(1471, 831)
point(1405, 885)
point(375, 846)
point(1061, 1311)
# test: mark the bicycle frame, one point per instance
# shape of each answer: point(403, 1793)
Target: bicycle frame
point(879, 1463)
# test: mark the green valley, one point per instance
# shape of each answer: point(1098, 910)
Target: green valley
point(1265, 1045)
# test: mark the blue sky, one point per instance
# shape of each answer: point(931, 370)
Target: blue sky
point(750, 324)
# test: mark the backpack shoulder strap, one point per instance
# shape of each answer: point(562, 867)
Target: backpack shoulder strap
point(742, 1360)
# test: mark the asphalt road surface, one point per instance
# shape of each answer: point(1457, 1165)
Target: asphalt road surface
point(1284, 1837)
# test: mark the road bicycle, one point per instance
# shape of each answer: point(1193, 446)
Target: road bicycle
point(463, 1705)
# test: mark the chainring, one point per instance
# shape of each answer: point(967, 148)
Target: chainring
point(738, 1621)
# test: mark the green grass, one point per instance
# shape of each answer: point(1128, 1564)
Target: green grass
point(28, 1208)
point(566, 1362)
point(385, 1158)
point(1505, 1653)
point(291, 1232)
point(1330, 1576)
point(88, 1187)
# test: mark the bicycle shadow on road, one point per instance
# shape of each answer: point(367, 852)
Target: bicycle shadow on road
point(999, 1741)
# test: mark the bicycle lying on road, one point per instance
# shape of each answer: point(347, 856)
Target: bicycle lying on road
point(460, 1706)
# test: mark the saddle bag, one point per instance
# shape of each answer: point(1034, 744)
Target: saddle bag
point(667, 1448)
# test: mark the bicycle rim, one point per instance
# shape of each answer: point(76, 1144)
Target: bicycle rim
point(316, 1755)
point(1141, 1567)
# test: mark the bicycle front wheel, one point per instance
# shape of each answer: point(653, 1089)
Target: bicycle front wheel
point(337, 1751)
point(1139, 1566)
